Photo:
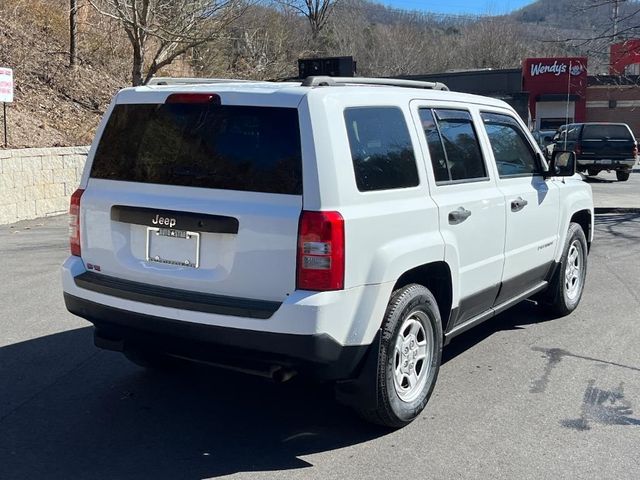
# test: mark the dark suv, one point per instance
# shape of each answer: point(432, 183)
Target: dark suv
point(598, 146)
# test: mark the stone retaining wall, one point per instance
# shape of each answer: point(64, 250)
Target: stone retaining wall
point(37, 182)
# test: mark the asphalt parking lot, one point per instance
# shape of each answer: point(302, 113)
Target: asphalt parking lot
point(609, 192)
point(523, 396)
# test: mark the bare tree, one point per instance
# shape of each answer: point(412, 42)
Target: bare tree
point(317, 13)
point(73, 32)
point(160, 31)
point(480, 47)
point(607, 20)
point(264, 44)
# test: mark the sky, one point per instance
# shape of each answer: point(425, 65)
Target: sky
point(460, 7)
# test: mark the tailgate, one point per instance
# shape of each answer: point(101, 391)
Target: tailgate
point(198, 197)
point(607, 142)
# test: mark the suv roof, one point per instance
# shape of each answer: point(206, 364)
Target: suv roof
point(575, 124)
point(296, 89)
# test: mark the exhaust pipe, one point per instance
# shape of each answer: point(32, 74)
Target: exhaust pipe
point(277, 373)
point(282, 374)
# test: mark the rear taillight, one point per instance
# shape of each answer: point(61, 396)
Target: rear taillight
point(320, 251)
point(193, 98)
point(635, 150)
point(74, 222)
point(577, 149)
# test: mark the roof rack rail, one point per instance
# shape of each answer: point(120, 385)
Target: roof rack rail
point(192, 81)
point(326, 81)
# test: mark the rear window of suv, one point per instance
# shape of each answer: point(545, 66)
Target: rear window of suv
point(381, 148)
point(598, 132)
point(226, 147)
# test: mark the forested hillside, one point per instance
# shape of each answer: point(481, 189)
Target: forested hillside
point(581, 16)
point(56, 104)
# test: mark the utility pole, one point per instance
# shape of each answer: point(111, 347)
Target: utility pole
point(616, 18)
point(73, 32)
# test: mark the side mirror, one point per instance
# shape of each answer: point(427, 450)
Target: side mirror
point(563, 164)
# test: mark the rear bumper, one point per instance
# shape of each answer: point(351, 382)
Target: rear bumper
point(319, 355)
point(180, 299)
point(606, 164)
point(324, 332)
point(351, 317)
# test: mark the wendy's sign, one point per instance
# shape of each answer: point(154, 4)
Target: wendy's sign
point(554, 79)
point(556, 68)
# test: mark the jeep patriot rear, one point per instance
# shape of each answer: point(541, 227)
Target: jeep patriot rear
point(337, 228)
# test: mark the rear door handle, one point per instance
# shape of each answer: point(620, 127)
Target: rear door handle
point(518, 204)
point(459, 215)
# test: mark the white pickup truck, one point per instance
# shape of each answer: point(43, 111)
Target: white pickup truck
point(343, 228)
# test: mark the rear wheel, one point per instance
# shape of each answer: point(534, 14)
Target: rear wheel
point(565, 291)
point(409, 358)
point(622, 175)
point(593, 172)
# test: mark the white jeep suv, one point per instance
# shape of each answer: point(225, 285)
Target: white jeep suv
point(345, 228)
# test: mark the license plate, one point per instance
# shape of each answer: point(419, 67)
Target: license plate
point(173, 247)
point(605, 162)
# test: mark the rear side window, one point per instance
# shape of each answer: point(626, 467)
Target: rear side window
point(434, 141)
point(381, 148)
point(453, 145)
point(572, 133)
point(511, 150)
point(599, 132)
point(569, 133)
point(558, 134)
point(203, 145)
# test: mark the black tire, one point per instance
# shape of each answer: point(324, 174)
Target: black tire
point(150, 359)
point(593, 172)
point(560, 299)
point(408, 305)
point(622, 175)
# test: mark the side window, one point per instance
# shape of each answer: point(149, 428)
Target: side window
point(512, 151)
point(381, 148)
point(436, 150)
point(604, 131)
point(572, 133)
point(453, 145)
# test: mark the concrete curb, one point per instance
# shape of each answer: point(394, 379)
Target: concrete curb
point(603, 210)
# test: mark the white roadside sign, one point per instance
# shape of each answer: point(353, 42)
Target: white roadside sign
point(6, 85)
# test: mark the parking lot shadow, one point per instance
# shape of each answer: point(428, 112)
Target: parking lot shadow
point(610, 228)
point(519, 316)
point(590, 179)
point(68, 411)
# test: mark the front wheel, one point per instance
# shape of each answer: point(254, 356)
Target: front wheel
point(565, 291)
point(622, 175)
point(593, 172)
point(409, 357)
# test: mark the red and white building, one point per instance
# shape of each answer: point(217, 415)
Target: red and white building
point(625, 58)
point(549, 92)
point(557, 90)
